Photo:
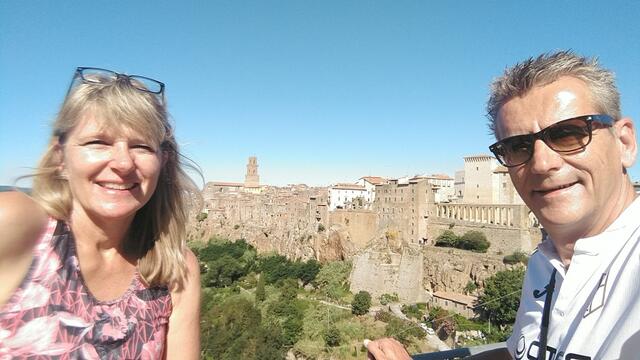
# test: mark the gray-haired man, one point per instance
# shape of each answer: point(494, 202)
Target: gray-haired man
point(567, 147)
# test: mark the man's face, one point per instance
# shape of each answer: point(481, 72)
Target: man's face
point(580, 192)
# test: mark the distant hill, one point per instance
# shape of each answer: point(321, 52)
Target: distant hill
point(13, 188)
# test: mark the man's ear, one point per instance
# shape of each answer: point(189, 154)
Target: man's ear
point(626, 135)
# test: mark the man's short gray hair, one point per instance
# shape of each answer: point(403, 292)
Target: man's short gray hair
point(547, 68)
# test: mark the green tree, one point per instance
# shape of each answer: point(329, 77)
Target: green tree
point(228, 329)
point(261, 294)
point(276, 267)
point(269, 343)
point(361, 303)
point(501, 296)
point(515, 258)
point(447, 239)
point(292, 329)
point(331, 280)
point(332, 336)
point(470, 287)
point(222, 272)
point(307, 271)
point(474, 240)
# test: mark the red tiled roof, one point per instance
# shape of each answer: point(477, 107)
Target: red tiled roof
point(375, 180)
point(348, 187)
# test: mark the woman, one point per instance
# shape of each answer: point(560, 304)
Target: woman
point(95, 264)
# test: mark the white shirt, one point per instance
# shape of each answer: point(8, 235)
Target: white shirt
point(595, 310)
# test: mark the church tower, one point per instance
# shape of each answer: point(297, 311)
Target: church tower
point(251, 179)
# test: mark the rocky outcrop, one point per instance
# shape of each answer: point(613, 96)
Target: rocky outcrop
point(447, 269)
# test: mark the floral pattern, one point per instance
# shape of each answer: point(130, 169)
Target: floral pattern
point(52, 315)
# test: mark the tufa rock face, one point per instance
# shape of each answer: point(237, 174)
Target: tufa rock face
point(290, 221)
point(447, 269)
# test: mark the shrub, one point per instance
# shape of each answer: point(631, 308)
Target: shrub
point(475, 241)
point(361, 303)
point(403, 331)
point(321, 228)
point(447, 239)
point(200, 217)
point(388, 298)
point(331, 337)
point(412, 311)
point(383, 316)
point(470, 287)
point(515, 258)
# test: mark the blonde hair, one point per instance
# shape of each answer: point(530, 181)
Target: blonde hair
point(158, 232)
point(547, 68)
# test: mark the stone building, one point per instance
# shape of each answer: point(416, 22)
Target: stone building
point(485, 181)
point(341, 195)
point(458, 185)
point(404, 206)
point(251, 178)
point(370, 183)
point(458, 303)
point(443, 186)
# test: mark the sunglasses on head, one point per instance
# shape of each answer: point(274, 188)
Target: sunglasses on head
point(91, 75)
point(563, 137)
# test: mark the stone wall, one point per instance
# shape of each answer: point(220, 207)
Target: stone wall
point(362, 225)
point(380, 272)
point(291, 221)
point(448, 269)
point(508, 228)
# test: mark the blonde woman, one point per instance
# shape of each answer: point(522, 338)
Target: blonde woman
point(95, 264)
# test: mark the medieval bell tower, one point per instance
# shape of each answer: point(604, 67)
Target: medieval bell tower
point(251, 179)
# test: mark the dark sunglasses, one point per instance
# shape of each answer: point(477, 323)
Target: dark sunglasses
point(92, 75)
point(563, 137)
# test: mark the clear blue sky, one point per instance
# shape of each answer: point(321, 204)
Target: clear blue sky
point(319, 91)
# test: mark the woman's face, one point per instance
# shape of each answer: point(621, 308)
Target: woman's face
point(111, 174)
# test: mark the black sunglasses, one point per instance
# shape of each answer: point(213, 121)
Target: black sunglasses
point(93, 75)
point(563, 137)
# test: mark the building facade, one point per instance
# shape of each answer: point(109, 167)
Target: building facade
point(342, 196)
point(404, 206)
point(485, 181)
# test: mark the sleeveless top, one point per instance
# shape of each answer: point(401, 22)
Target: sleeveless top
point(52, 315)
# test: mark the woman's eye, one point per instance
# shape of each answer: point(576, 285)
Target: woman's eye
point(95, 142)
point(145, 147)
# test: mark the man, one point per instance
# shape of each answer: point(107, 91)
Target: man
point(560, 133)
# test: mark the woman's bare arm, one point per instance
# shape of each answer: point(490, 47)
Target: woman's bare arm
point(183, 338)
point(22, 222)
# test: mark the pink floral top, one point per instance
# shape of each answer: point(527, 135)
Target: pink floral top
point(52, 315)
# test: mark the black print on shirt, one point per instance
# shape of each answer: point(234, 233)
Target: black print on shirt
point(552, 353)
point(599, 297)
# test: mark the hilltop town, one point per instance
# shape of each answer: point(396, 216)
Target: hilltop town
point(386, 227)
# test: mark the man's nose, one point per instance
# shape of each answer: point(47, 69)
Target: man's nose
point(544, 158)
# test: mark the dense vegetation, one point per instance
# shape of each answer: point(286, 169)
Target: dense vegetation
point(501, 296)
point(263, 306)
point(472, 240)
point(517, 257)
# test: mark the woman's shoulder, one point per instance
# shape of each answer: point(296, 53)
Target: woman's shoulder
point(22, 221)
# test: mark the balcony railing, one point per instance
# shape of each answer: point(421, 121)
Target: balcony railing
point(497, 351)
